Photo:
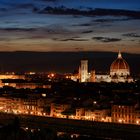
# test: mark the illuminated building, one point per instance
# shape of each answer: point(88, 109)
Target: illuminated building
point(35, 105)
point(98, 115)
point(119, 72)
point(5, 104)
point(103, 78)
point(58, 108)
point(137, 115)
point(23, 84)
point(92, 76)
point(9, 104)
point(80, 112)
point(119, 67)
point(30, 105)
point(89, 114)
point(123, 113)
point(31, 85)
point(84, 71)
point(73, 77)
point(77, 113)
point(11, 76)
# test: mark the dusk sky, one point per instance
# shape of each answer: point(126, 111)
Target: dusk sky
point(97, 26)
point(24, 26)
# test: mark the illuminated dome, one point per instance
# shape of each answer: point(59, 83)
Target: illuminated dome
point(119, 67)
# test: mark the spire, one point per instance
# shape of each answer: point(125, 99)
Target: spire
point(119, 55)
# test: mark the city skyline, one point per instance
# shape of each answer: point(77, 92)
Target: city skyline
point(69, 69)
point(62, 62)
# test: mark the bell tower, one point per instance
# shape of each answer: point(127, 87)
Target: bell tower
point(84, 71)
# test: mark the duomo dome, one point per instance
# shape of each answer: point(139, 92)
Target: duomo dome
point(119, 72)
point(119, 67)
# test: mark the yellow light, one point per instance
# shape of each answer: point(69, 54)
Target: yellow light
point(58, 115)
point(87, 117)
point(1, 107)
point(6, 84)
point(102, 119)
point(43, 95)
point(95, 102)
point(137, 122)
point(31, 73)
point(15, 112)
point(39, 113)
point(52, 74)
point(72, 116)
point(120, 120)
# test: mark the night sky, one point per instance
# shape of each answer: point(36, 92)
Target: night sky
point(29, 26)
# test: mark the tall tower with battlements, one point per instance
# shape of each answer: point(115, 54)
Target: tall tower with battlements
point(84, 71)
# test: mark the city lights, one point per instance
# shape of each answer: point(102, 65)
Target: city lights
point(69, 69)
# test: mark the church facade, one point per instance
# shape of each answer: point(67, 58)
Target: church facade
point(119, 72)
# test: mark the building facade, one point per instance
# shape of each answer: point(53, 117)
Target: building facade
point(119, 72)
point(57, 109)
point(123, 113)
point(83, 71)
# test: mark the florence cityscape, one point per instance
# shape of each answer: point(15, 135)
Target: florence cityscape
point(69, 70)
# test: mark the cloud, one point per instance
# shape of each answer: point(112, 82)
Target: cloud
point(3, 9)
point(106, 39)
point(111, 20)
point(36, 32)
point(5, 39)
point(70, 39)
point(18, 29)
point(132, 35)
point(62, 10)
point(83, 24)
point(25, 6)
point(88, 31)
